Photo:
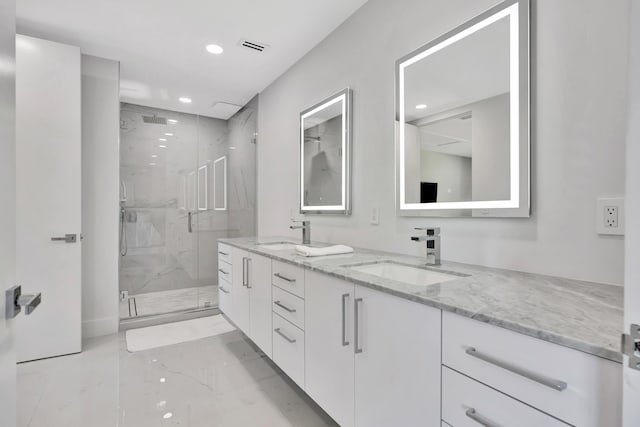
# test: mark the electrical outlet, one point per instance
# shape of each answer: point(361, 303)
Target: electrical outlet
point(610, 215)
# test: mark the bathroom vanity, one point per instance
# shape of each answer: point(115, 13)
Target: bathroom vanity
point(379, 339)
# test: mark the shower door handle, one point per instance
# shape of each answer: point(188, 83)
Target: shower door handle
point(189, 222)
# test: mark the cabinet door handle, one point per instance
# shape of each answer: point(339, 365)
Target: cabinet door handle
point(244, 271)
point(223, 289)
point(539, 378)
point(249, 273)
point(223, 253)
point(345, 341)
point(356, 315)
point(285, 278)
point(223, 271)
point(483, 421)
point(190, 222)
point(283, 335)
point(281, 305)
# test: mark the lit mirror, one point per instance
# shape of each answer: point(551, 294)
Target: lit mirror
point(325, 147)
point(220, 184)
point(462, 113)
point(203, 188)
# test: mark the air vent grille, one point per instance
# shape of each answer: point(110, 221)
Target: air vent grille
point(154, 120)
point(253, 46)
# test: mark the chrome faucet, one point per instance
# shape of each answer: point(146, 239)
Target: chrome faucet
point(433, 243)
point(306, 231)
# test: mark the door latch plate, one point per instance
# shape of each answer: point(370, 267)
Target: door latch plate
point(631, 346)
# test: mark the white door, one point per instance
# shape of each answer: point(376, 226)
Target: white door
point(398, 345)
point(48, 203)
point(329, 346)
point(7, 214)
point(260, 317)
point(631, 406)
point(240, 292)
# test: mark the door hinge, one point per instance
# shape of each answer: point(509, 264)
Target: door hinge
point(630, 346)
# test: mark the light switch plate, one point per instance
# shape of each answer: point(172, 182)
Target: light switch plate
point(610, 216)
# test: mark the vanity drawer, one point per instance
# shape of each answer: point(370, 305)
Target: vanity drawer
point(467, 403)
point(225, 271)
point(575, 387)
point(224, 252)
point(289, 306)
point(288, 349)
point(288, 277)
point(224, 297)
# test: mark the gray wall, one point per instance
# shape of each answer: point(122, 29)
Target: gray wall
point(100, 136)
point(452, 173)
point(579, 109)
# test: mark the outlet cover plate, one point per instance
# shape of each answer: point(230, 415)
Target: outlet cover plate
point(603, 224)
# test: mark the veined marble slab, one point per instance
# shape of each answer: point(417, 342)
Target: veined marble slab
point(582, 315)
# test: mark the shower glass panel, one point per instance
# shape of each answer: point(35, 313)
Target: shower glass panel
point(171, 184)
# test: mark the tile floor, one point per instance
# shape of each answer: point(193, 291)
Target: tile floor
point(162, 302)
point(218, 381)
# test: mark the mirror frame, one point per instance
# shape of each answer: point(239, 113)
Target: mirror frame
point(345, 96)
point(519, 203)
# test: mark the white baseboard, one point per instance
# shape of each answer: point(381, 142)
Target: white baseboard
point(99, 327)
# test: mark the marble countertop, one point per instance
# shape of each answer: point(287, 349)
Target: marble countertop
point(585, 316)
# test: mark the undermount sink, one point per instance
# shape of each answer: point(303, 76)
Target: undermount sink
point(278, 246)
point(406, 274)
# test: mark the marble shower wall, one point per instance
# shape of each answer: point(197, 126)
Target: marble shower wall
point(168, 171)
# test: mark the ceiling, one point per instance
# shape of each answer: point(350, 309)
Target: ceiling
point(161, 44)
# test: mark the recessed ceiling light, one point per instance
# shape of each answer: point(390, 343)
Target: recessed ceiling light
point(163, 379)
point(167, 415)
point(185, 100)
point(162, 146)
point(167, 134)
point(215, 49)
point(162, 139)
point(172, 121)
point(232, 148)
point(421, 106)
point(154, 155)
point(152, 164)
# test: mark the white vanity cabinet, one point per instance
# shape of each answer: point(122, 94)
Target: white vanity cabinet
point(371, 359)
point(329, 346)
point(575, 387)
point(251, 297)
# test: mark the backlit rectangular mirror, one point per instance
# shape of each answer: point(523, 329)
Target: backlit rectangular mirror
point(325, 156)
point(462, 119)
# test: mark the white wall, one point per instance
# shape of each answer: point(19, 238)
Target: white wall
point(100, 160)
point(579, 63)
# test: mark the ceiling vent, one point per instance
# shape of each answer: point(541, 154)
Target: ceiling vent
point(253, 46)
point(155, 120)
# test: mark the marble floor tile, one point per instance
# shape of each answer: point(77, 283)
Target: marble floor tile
point(217, 381)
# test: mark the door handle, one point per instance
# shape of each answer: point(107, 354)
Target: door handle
point(15, 301)
point(67, 238)
point(189, 222)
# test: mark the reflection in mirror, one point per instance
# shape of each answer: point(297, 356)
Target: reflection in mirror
point(220, 184)
point(464, 141)
point(324, 156)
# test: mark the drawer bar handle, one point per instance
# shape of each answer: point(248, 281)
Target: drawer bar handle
point(223, 271)
point(541, 379)
point(281, 305)
point(223, 253)
point(282, 334)
point(471, 413)
point(223, 290)
point(280, 276)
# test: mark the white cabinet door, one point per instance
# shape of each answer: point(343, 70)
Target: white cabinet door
point(240, 291)
point(259, 279)
point(329, 355)
point(397, 361)
point(48, 199)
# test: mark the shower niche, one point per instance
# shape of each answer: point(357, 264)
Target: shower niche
point(185, 181)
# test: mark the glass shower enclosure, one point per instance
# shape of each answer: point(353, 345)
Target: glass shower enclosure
point(185, 181)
